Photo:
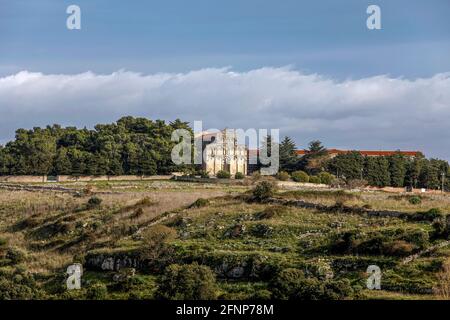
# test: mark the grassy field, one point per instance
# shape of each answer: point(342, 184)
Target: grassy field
point(247, 244)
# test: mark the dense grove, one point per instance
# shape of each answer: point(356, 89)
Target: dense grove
point(396, 170)
point(130, 146)
point(139, 146)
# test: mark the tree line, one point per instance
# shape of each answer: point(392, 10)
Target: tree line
point(395, 170)
point(135, 146)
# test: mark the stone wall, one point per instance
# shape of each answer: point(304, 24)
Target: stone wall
point(23, 179)
point(65, 178)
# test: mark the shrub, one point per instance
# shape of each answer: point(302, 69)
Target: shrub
point(261, 295)
point(256, 176)
point(19, 286)
point(15, 255)
point(155, 246)
point(429, 215)
point(434, 213)
point(187, 282)
point(239, 175)
point(261, 230)
point(97, 291)
point(441, 228)
point(300, 176)
point(442, 288)
point(344, 242)
point(223, 174)
point(137, 214)
point(314, 179)
point(199, 203)
point(235, 231)
point(270, 212)
point(357, 183)
point(286, 283)
point(415, 200)
point(337, 183)
point(283, 176)
point(264, 190)
point(94, 202)
point(326, 178)
point(292, 284)
point(399, 248)
point(203, 174)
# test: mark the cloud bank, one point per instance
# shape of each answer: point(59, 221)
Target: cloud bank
point(378, 112)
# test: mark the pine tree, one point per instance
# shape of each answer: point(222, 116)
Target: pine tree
point(397, 170)
point(288, 156)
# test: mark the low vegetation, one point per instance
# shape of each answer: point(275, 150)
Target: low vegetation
point(181, 240)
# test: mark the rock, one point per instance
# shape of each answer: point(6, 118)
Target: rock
point(236, 272)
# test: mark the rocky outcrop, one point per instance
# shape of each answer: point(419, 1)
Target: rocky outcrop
point(113, 261)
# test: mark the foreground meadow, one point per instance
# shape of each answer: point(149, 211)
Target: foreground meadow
point(147, 240)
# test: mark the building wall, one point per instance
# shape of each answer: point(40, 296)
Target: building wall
point(225, 154)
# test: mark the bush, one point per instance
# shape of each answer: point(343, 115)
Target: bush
point(187, 282)
point(256, 176)
point(326, 178)
point(300, 176)
point(94, 202)
point(292, 284)
point(429, 215)
point(223, 174)
point(261, 295)
point(199, 203)
point(399, 248)
point(314, 179)
point(357, 183)
point(155, 248)
point(203, 174)
point(15, 255)
point(270, 212)
point(283, 176)
point(286, 283)
point(415, 200)
point(19, 286)
point(264, 190)
point(261, 230)
point(97, 291)
point(239, 175)
point(441, 228)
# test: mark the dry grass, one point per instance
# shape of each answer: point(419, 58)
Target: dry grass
point(50, 207)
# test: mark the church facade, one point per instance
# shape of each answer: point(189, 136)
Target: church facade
point(222, 152)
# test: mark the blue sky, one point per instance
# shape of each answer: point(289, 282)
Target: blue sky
point(275, 49)
point(326, 36)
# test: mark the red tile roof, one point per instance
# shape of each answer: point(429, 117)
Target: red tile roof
point(367, 152)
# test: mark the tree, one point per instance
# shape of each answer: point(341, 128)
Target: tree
point(377, 171)
point(317, 148)
point(62, 163)
point(315, 159)
point(129, 146)
point(349, 166)
point(413, 170)
point(397, 170)
point(288, 156)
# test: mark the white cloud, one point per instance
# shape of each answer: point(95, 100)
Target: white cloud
point(376, 112)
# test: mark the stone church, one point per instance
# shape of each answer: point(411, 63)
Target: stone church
point(221, 151)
